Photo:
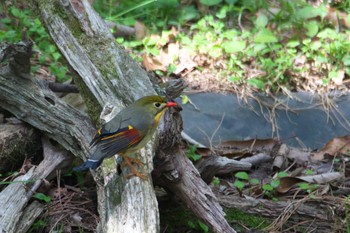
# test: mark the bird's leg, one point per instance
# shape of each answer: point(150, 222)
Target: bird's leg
point(130, 162)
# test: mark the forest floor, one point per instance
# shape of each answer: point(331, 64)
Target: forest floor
point(282, 47)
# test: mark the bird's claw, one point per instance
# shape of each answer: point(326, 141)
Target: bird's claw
point(130, 163)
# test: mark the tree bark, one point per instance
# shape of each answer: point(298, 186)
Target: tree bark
point(175, 172)
point(16, 142)
point(308, 213)
point(108, 78)
point(15, 215)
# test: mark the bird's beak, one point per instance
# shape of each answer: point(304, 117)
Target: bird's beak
point(171, 104)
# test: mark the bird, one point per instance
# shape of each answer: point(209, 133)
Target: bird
point(127, 132)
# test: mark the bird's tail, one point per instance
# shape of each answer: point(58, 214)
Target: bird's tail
point(90, 163)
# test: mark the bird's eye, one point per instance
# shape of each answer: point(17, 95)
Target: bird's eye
point(157, 105)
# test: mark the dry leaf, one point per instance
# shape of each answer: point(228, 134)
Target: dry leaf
point(152, 63)
point(322, 178)
point(140, 30)
point(185, 62)
point(338, 80)
point(286, 183)
point(334, 146)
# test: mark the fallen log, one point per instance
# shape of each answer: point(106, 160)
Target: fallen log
point(307, 213)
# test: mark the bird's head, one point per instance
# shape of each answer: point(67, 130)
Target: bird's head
point(155, 105)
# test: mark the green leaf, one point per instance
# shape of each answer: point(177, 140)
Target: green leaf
point(312, 28)
point(194, 157)
point(210, 2)
point(275, 183)
point(265, 36)
point(282, 174)
point(6, 20)
point(293, 43)
point(315, 45)
point(234, 46)
point(304, 186)
point(239, 184)
point(204, 227)
point(216, 181)
point(261, 21)
point(267, 187)
point(254, 181)
point(242, 175)
point(309, 172)
point(346, 60)
point(15, 12)
point(327, 33)
point(333, 74)
point(256, 83)
point(231, 1)
point(184, 99)
point(222, 12)
point(309, 12)
point(189, 13)
point(42, 197)
point(171, 68)
point(234, 79)
point(56, 56)
point(191, 224)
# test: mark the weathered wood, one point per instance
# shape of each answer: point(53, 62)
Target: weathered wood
point(33, 102)
point(16, 142)
point(30, 214)
point(106, 76)
point(15, 197)
point(213, 165)
point(308, 213)
point(175, 172)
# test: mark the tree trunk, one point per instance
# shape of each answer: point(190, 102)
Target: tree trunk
point(176, 172)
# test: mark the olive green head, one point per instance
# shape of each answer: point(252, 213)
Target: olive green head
point(153, 104)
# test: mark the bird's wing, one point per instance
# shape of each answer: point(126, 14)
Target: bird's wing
point(112, 143)
point(114, 126)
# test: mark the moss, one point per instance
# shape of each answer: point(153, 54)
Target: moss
point(176, 218)
point(249, 220)
point(109, 163)
point(94, 108)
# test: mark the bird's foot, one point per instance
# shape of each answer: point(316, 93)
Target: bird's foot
point(134, 172)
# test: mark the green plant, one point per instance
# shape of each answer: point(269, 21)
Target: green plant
point(242, 179)
point(347, 219)
point(191, 153)
point(309, 188)
point(24, 19)
point(155, 13)
point(199, 225)
point(42, 197)
point(38, 225)
point(216, 181)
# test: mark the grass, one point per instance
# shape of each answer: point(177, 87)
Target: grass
point(260, 45)
point(271, 52)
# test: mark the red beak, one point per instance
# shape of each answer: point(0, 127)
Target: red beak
point(171, 104)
